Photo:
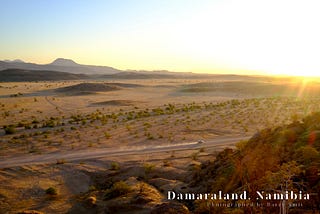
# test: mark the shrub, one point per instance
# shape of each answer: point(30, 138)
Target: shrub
point(49, 124)
point(194, 156)
point(148, 167)
point(149, 136)
point(9, 129)
point(51, 191)
point(166, 163)
point(119, 188)
point(107, 135)
point(114, 166)
point(172, 154)
point(92, 188)
point(91, 201)
point(61, 161)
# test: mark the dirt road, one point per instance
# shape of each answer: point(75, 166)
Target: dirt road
point(31, 159)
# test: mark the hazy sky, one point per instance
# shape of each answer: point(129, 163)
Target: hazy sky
point(273, 36)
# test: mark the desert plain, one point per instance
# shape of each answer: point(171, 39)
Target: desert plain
point(119, 145)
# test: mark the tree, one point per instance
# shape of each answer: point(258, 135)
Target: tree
point(282, 181)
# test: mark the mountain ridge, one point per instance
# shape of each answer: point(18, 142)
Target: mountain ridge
point(14, 61)
point(21, 75)
point(60, 64)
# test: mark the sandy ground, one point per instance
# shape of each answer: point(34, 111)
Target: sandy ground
point(49, 124)
point(79, 123)
point(23, 187)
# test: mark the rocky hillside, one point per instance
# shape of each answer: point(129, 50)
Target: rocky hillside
point(274, 160)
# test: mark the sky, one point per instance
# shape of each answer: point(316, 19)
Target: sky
point(211, 36)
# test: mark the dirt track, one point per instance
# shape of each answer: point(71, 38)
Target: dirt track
point(219, 143)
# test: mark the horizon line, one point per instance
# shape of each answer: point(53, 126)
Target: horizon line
point(225, 72)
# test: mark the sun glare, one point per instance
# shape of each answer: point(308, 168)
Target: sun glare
point(294, 72)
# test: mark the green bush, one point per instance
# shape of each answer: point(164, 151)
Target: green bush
point(148, 167)
point(119, 188)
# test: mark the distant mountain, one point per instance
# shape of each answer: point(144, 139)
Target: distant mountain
point(14, 61)
point(20, 75)
point(105, 72)
point(70, 66)
point(60, 64)
point(64, 62)
point(137, 75)
point(132, 74)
